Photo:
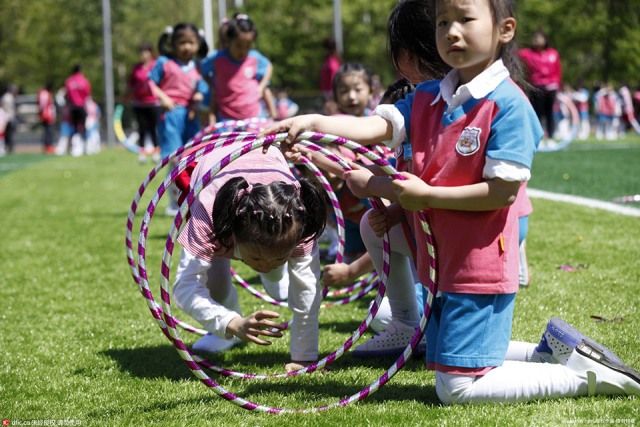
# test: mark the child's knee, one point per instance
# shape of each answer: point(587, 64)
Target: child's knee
point(453, 389)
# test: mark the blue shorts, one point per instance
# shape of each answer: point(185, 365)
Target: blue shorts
point(175, 129)
point(469, 330)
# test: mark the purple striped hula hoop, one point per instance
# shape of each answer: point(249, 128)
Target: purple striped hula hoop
point(215, 140)
point(368, 283)
point(166, 260)
point(223, 139)
point(170, 322)
point(254, 124)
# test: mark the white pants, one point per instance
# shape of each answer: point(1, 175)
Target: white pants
point(400, 286)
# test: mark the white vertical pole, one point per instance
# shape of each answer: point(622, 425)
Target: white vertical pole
point(108, 68)
point(337, 25)
point(222, 10)
point(207, 12)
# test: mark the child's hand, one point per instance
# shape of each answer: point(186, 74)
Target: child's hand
point(379, 221)
point(167, 103)
point(197, 97)
point(358, 180)
point(251, 327)
point(295, 366)
point(335, 275)
point(293, 126)
point(412, 193)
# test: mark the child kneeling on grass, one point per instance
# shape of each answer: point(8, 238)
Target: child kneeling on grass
point(473, 135)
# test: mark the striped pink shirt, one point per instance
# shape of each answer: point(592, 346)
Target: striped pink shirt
point(257, 168)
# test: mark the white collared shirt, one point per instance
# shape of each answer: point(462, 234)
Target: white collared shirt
point(479, 87)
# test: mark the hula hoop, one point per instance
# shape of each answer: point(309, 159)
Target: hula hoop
point(207, 177)
point(118, 129)
point(202, 149)
point(575, 125)
point(255, 124)
point(168, 322)
point(368, 283)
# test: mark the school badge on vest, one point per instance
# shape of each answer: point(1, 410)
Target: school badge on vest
point(469, 141)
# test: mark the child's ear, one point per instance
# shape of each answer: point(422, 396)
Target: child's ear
point(507, 30)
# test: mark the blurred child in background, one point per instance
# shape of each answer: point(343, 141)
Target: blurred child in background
point(238, 75)
point(145, 103)
point(178, 86)
point(47, 115)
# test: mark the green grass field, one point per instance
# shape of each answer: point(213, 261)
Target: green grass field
point(80, 347)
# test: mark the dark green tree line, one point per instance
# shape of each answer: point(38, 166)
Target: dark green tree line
point(41, 39)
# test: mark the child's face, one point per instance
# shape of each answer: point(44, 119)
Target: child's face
point(241, 45)
point(352, 94)
point(186, 45)
point(262, 259)
point(146, 55)
point(466, 36)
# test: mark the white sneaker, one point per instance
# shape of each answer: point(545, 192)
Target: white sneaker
point(391, 342)
point(604, 376)
point(214, 344)
point(77, 145)
point(171, 210)
point(383, 316)
point(61, 147)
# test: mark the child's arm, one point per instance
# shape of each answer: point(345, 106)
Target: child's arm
point(266, 78)
point(414, 194)
point(193, 297)
point(365, 130)
point(164, 99)
point(342, 274)
point(269, 100)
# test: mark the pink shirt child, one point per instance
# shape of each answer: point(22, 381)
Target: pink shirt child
point(543, 66)
point(236, 83)
point(78, 89)
point(140, 85)
point(179, 81)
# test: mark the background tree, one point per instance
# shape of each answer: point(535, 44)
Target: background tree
point(40, 40)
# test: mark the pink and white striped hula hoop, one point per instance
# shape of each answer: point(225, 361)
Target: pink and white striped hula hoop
point(168, 322)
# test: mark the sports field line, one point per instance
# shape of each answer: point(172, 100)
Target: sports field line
point(584, 201)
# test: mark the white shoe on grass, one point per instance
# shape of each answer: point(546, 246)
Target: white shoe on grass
point(214, 344)
point(391, 342)
point(604, 375)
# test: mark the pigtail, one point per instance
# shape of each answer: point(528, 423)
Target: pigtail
point(203, 49)
point(229, 207)
point(241, 23)
point(164, 42)
point(312, 211)
point(397, 91)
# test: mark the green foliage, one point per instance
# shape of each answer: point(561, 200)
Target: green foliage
point(41, 40)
